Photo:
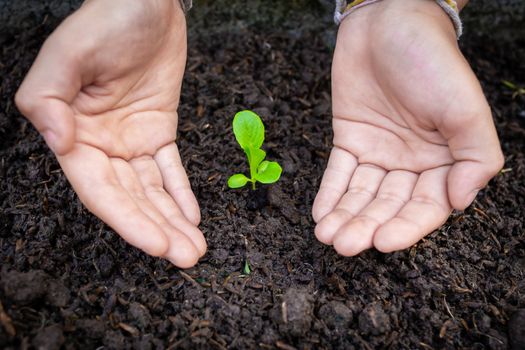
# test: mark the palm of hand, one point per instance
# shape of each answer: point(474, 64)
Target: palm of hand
point(387, 181)
point(122, 160)
point(126, 168)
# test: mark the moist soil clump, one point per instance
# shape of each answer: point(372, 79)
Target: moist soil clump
point(68, 281)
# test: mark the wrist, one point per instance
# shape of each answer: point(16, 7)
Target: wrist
point(383, 18)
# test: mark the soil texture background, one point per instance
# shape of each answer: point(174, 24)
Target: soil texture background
point(68, 281)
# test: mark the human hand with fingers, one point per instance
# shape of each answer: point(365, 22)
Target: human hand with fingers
point(413, 132)
point(106, 103)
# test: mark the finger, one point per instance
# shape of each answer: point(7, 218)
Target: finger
point(47, 92)
point(129, 180)
point(181, 252)
point(467, 178)
point(164, 202)
point(362, 189)
point(427, 209)
point(357, 234)
point(474, 144)
point(341, 166)
point(151, 179)
point(92, 176)
point(176, 182)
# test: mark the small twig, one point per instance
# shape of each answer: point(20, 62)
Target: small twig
point(482, 213)
point(448, 309)
point(189, 279)
point(495, 240)
point(108, 246)
point(232, 290)
point(281, 345)
point(444, 327)
point(130, 329)
point(459, 289)
point(284, 312)
point(5, 320)
point(426, 346)
point(177, 343)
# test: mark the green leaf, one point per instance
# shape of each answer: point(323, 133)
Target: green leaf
point(509, 84)
point(270, 172)
point(255, 157)
point(248, 129)
point(262, 167)
point(237, 181)
point(246, 270)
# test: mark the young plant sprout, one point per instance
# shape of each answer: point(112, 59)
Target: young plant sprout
point(246, 269)
point(249, 133)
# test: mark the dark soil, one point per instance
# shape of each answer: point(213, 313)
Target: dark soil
point(68, 281)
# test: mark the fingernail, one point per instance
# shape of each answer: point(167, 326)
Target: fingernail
point(472, 195)
point(51, 139)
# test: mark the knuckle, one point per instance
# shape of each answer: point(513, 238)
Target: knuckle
point(24, 101)
point(391, 197)
point(499, 161)
point(28, 104)
point(195, 217)
point(158, 247)
point(159, 250)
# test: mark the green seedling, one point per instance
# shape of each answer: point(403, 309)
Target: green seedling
point(246, 269)
point(517, 90)
point(249, 133)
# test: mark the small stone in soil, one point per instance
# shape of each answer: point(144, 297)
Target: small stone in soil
point(296, 312)
point(140, 315)
point(517, 330)
point(49, 338)
point(277, 198)
point(91, 328)
point(336, 315)
point(57, 293)
point(25, 287)
point(219, 256)
point(106, 264)
point(263, 112)
point(373, 320)
point(145, 343)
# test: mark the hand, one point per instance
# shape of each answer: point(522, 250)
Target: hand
point(413, 132)
point(104, 92)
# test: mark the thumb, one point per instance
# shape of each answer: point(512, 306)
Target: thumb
point(46, 94)
point(51, 117)
point(474, 145)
